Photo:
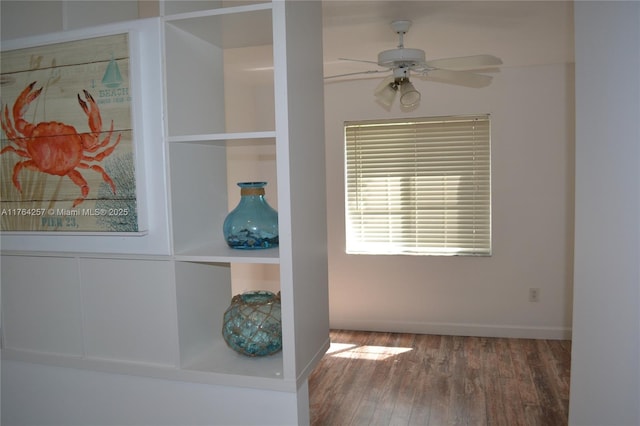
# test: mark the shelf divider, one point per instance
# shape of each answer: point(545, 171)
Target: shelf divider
point(217, 137)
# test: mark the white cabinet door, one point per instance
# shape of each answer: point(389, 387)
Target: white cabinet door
point(129, 310)
point(41, 308)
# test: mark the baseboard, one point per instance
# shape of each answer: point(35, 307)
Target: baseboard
point(457, 329)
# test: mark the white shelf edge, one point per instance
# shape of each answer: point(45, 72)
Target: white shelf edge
point(86, 255)
point(217, 137)
point(220, 359)
point(218, 253)
point(219, 11)
point(156, 371)
point(76, 233)
point(225, 259)
point(199, 255)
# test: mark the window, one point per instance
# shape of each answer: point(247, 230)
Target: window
point(419, 186)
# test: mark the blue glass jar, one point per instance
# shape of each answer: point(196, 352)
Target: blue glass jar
point(252, 324)
point(253, 224)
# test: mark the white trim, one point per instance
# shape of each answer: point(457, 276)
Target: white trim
point(457, 329)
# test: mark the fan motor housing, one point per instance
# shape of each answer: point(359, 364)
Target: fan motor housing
point(401, 57)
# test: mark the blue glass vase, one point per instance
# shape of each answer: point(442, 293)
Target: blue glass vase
point(252, 324)
point(253, 224)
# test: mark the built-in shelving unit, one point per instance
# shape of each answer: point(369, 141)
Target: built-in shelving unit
point(242, 99)
point(200, 125)
point(228, 78)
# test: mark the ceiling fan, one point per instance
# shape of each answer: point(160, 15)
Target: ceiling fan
point(401, 61)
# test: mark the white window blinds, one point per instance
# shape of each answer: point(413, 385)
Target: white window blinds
point(419, 186)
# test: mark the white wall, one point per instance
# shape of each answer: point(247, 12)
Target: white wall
point(605, 370)
point(532, 169)
point(42, 17)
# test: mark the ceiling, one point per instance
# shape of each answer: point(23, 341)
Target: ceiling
point(521, 33)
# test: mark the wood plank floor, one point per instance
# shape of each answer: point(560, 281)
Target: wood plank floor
point(408, 379)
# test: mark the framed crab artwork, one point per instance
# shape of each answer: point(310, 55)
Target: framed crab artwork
point(67, 152)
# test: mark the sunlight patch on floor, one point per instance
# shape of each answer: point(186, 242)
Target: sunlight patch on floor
point(374, 353)
point(339, 347)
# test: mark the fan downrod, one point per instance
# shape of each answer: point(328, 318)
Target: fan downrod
point(401, 58)
point(401, 26)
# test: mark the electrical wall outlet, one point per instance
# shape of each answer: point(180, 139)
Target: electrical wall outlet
point(534, 294)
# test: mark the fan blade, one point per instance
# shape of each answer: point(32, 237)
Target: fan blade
point(465, 62)
point(462, 78)
point(357, 60)
point(355, 73)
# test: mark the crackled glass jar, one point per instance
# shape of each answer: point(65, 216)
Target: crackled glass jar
point(253, 224)
point(252, 324)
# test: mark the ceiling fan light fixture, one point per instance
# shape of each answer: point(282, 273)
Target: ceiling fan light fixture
point(386, 91)
point(409, 96)
point(401, 61)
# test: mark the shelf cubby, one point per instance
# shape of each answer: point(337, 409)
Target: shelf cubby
point(203, 294)
point(220, 61)
point(203, 177)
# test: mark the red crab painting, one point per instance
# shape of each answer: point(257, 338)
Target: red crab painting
point(57, 148)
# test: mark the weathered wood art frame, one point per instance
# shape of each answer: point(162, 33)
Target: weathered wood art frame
point(67, 153)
